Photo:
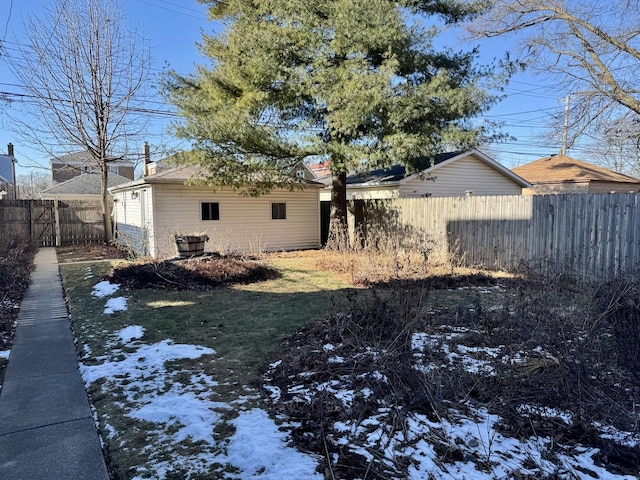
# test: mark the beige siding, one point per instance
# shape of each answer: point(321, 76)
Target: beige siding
point(245, 223)
point(372, 193)
point(127, 208)
point(456, 178)
point(133, 215)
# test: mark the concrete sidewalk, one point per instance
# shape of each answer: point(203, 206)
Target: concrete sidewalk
point(46, 425)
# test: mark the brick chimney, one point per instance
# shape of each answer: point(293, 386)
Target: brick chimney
point(147, 160)
point(13, 169)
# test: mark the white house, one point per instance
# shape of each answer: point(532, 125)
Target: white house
point(452, 174)
point(150, 211)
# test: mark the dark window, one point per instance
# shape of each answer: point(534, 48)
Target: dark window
point(210, 211)
point(278, 211)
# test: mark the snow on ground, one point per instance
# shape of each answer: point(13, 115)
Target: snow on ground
point(467, 443)
point(117, 304)
point(260, 450)
point(128, 334)
point(184, 413)
point(104, 289)
point(4, 354)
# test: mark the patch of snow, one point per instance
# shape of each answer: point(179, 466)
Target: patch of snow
point(261, 451)
point(4, 354)
point(130, 333)
point(547, 412)
point(194, 415)
point(627, 439)
point(117, 304)
point(145, 363)
point(274, 392)
point(104, 289)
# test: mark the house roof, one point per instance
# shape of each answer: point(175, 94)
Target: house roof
point(321, 169)
point(85, 184)
point(84, 157)
point(563, 169)
point(6, 167)
point(178, 176)
point(398, 173)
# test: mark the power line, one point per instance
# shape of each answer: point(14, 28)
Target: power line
point(174, 11)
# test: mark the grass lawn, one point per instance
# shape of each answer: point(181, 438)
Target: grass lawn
point(472, 369)
point(243, 324)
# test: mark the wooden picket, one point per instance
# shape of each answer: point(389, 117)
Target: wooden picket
point(589, 235)
point(52, 222)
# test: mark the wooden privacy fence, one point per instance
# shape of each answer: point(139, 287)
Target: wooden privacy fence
point(52, 222)
point(588, 235)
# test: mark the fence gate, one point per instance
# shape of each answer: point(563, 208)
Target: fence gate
point(49, 224)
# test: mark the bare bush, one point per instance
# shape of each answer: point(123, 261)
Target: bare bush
point(543, 359)
point(16, 262)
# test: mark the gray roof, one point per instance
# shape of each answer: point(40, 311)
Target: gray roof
point(395, 173)
point(85, 158)
point(6, 167)
point(85, 184)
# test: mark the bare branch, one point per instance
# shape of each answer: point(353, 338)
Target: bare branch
point(85, 77)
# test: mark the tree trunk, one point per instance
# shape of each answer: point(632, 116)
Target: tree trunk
point(338, 227)
point(106, 210)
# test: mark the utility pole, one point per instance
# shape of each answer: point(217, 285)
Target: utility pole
point(565, 129)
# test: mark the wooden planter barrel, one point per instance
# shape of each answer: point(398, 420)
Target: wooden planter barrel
point(190, 245)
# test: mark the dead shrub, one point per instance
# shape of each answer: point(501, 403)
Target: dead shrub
point(16, 264)
point(213, 271)
point(617, 304)
point(557, 371)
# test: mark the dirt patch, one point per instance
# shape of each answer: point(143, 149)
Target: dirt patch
point(90, 252)
point(191, 274)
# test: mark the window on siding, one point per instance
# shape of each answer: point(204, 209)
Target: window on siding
point(278, 211)
point(210, 211)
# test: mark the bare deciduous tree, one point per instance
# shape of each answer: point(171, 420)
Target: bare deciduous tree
point(85, 79)
point(617, 146)
point(594, 47)
point(32, 184)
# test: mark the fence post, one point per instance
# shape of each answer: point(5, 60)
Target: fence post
point(32, 229)
point(56, 220)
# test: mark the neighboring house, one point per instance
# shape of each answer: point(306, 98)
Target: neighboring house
point(66, 167)
point(451, 174)
point(320, 169)
point(562, 174)
point(148, 213)
point(301, 170)
point(86, 186)
point(8, 190)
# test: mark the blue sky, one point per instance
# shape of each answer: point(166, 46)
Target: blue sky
point(174, 27)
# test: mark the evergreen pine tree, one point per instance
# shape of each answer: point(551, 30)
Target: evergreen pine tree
point(356, 82)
